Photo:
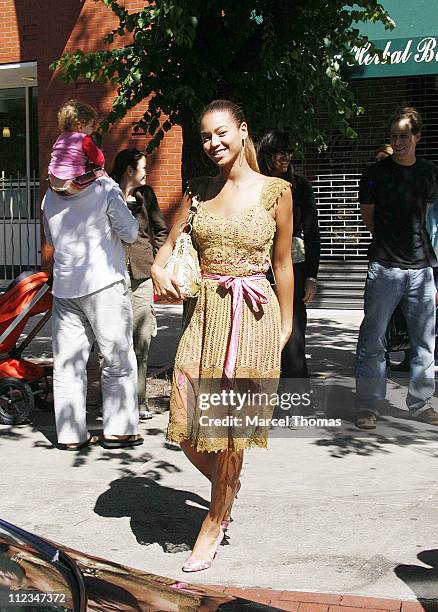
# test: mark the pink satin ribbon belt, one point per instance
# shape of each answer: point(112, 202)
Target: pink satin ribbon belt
point(240, 287)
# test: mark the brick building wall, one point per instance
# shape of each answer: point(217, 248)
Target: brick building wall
point(41, 30)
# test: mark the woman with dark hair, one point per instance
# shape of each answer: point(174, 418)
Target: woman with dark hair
point(237, 326)
point(275, 159)
point(129, 171)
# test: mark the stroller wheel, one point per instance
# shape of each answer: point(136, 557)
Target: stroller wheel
point(16, 401)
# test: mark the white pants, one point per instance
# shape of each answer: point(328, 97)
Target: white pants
point(106, 316)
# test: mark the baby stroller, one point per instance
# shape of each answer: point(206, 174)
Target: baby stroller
point(23, 383)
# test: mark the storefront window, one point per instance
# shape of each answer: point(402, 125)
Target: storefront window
point(12, 132)
point(19, 181)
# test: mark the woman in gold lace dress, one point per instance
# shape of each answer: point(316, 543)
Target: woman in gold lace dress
point(237, 326)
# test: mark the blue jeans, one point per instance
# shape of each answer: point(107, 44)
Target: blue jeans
point(415, 291)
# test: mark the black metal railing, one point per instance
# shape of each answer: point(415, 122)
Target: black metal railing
point(19, 225)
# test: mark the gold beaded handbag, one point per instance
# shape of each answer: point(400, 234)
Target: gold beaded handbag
point(183, 263)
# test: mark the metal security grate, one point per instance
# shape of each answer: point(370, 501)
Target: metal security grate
point(19, 226)
point(335, 178)
point(343, 235)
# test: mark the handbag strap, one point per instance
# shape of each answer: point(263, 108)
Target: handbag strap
point(194, 204)
point(188, 225)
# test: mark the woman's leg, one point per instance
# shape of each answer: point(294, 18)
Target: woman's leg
point(204, 462)
point(225, 476)
point(144, 328)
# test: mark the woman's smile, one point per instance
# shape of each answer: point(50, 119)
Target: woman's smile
point(219, 152)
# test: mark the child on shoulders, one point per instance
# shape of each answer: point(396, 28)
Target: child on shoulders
point(75, 152)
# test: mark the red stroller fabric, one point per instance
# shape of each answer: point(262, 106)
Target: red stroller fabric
point(13, 302)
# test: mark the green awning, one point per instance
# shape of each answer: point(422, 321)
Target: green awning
point(411, 48)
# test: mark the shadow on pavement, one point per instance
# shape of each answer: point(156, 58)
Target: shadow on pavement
point(158, 515)
point(334, 398)
point(422, 579)
point(332, 347)
point(389, 435)
point(44, 424)
point(342, 445)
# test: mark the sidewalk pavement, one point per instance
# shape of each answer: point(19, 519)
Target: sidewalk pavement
point(296, 601)
point(325, 510)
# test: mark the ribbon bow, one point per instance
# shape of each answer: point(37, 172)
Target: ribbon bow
point(240, 287)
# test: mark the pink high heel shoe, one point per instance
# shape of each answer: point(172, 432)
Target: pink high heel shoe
point(194, 565)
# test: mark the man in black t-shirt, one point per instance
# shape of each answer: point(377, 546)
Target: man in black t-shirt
point(393, 195)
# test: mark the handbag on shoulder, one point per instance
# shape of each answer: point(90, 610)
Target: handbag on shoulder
point(183, 263)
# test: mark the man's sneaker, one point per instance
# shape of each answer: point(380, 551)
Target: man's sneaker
point(429, 416)
point(144, 414)
point(366, 420)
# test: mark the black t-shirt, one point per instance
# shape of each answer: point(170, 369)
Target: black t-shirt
point(400, 195)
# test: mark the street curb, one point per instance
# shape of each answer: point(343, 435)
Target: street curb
point(298, 601)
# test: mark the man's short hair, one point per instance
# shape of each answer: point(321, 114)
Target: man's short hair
point(408, 112)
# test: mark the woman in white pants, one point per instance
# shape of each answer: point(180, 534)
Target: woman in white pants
point(91, 302)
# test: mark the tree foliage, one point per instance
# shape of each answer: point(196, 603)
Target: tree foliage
point(277, 58)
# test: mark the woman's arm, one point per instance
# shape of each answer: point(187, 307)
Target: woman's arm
point(312, 240)
point(166, 285)
point(282, 263)
point(47, 250)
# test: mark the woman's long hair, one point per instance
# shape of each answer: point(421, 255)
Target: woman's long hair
point(237, 113)
point(124, 159)
point(271, 143)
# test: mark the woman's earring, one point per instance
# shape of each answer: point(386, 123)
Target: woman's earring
point(242, 152)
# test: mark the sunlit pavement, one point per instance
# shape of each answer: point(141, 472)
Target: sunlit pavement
point(329, 511)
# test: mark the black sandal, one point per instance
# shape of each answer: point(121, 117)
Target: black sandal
point(79, 445)
point(127, 442)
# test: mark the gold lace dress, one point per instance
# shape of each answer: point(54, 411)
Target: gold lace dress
point(237, 246)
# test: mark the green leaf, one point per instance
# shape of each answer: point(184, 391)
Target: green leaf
point(350, 133)
point(281, 60)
